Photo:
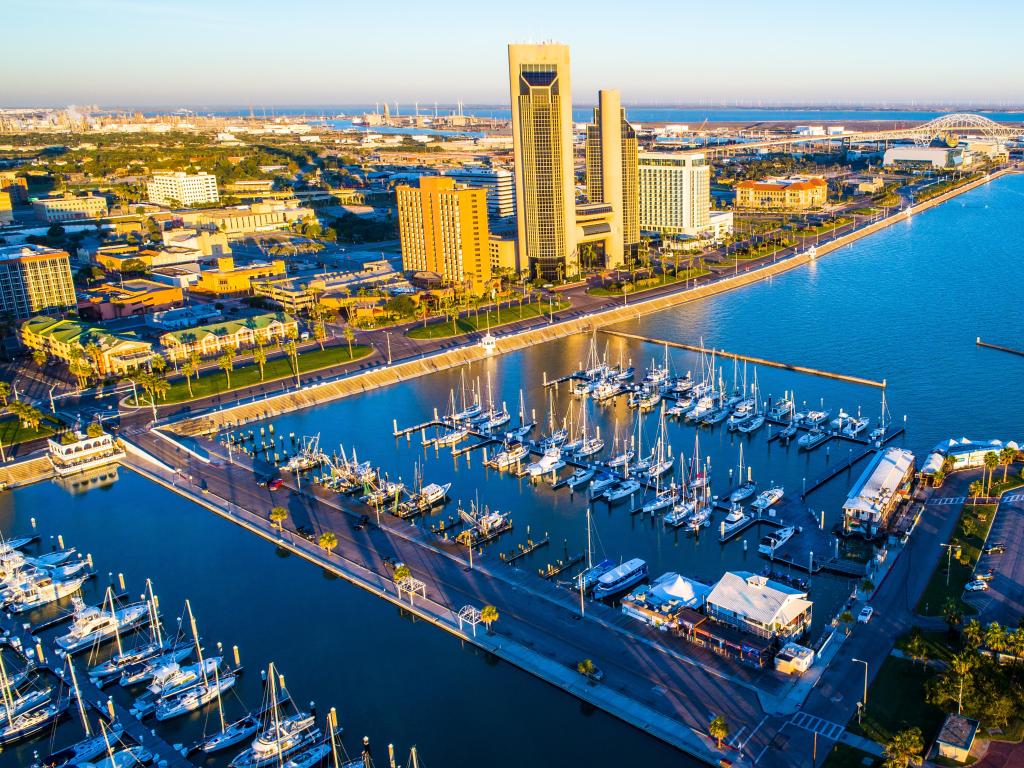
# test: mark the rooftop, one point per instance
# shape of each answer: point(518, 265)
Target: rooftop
point(72, 331)
point(758, 598)
point(879, 481)
point(958, 731)
point(230, 327)
point(776, 185)
point(27, 250)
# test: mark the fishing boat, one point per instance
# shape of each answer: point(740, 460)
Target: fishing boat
point(510, 456)
point(87, 749)
point(736, 519)
point(767, 498)
point(383, 493)
point(93, 625)
point(775, 539)
point(579, 477)
point(621, 490)
point(812, 439)
point(432, 494)
point(309, 455)
point(619, 579)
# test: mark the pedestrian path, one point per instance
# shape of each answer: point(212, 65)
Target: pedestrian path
point(825, 728)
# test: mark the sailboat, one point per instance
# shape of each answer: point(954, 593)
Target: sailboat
point(19, 722)
point(281, 737)
point(884, 419)
point(746, 489)
point(589, 576)
point(92, 746)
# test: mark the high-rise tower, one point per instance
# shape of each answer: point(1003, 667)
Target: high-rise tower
point(541, 96)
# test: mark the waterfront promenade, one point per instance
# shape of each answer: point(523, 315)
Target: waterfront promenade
point(411, 358)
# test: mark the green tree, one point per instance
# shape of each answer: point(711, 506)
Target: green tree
point(1006, 458)
point(319, 314)
point(917, 648)
point(189, 369)
point(39, 357)
point(847, 618)
point(328, 541)
point(973, 635)
point(719, 730)
point(292, 350)
point(951, 613)
point(904, 749)
point(488, 615)
point(226, 362)
point(350, 336)
point(80, 368)
point(995, 637)
point(402, 572)
point(991, 462)
point(29, 416)
point(5, 392)
point(976, 489)
point(277, 516)
point(969, 526)
point(259, 355)
point(962, 666)
point(586, 667)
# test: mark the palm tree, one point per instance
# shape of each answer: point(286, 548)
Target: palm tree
point(995, 637)
point(951, 614)
point(917, 648)
point(973, 634)
point(190, 370)
point(847, 618)
point(94, 353)
point(350, 336)
point(292, 350)
point(29, 416)
point(319, 314)
point(488, 615)
point(1006, 458)
point(586, 667)
point(719, 730)
point(80, 368)
point(991, 462)
point(226, 362)
point(277, 516)
point(328, 541)
point(5, 392)
point(976, 489)
point(904, 748)
point(259, 355)
point(402, 573)
point(961, 665)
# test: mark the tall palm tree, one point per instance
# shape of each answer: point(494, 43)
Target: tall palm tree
point(991, 462)
point(80, 368)
point(995, 637)
point(5, 391)
point(226, 362)
point(328, 541)
point(962, 664)
point(976, 489)
point(292, 350)
point(190, 370)
point(847, 618)
point(277, 516)
point(350, 336)
point(719, 730)
point(1006, 458)
point(904, 749)
point(259, 356)
point(973, 634)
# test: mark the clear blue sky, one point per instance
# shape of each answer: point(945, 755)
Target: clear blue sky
point(304, 52)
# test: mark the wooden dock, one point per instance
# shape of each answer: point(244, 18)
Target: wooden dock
point(528, 548)
point(750, 359)
point(999, 347)
point(835, 472)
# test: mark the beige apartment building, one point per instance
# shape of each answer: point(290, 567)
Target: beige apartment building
point(113, 354)
point(55, 210)
point(35, 280)
point(611, 165)
point(675, 193)
point(443, 229)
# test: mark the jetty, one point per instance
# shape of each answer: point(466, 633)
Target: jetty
point(999, 347)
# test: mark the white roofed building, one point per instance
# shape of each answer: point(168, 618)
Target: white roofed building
point(878, 492)
point(659, 603)
point(760, 606)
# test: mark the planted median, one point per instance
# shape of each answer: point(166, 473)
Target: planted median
point(492, 318)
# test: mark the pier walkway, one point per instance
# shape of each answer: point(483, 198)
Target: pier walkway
point(653, 680)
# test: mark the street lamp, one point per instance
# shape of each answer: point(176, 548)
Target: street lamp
point(864, 703)
point(388, 335)
point(949, 557)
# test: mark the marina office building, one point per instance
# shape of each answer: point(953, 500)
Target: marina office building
point(875, 496)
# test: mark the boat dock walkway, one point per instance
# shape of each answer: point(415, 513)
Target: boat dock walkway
point(163, 753)
point(749, 359)
point(999, 347)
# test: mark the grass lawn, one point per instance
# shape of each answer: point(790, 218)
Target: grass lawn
point(896, 702)
point(471, 323)
point(844, 756)
point(213, 382)
point(821, 229)
point(936, 593)
point(683, 276)
point(935, 641)
point(12, 432)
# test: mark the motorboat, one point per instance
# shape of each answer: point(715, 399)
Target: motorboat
point(767, 498)
point(812, 439)
point(816, 418)
point(510, 456)
point(42, 592)
point(701, 518)
point(191, 699)
point(550, 461)
point(173, 677)
point(649, 400)
point(136, 657)
point(775, 539)
point(579, 477)
point(621, 578)
point(278, 741)
point(432, 493)
point(601, 484)
point(93, 625)
point(855, 426)
point(736, 519)
point(143, 671)
point(781, 409)
point(621, 490)
point(742, 411)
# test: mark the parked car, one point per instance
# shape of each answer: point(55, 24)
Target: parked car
point(276, 483)
point(976, 586)
point(984, 575)
point(865, 614)
point(997, 548)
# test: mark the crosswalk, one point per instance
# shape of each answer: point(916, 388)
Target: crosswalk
point(944, 501)
point(825, 728)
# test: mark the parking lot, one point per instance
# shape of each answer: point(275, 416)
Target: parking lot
point(1004, 599)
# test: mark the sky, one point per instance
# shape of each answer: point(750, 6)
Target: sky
point(341, 52)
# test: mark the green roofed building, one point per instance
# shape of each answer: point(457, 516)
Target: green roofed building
point(209, 340)
point(67, 340)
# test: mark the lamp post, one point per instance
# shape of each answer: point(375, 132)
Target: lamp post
point(388, 335)
point(864, 703)
point(949, 557)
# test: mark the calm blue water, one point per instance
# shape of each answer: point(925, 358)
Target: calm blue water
point(905, 305)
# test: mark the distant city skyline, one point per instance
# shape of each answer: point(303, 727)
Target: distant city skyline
point(235, 53)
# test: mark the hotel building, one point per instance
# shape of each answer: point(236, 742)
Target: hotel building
point(794, 194)
point(55, 210)
point(35, 279)
point(183, 189)
point(675, 193)
point(611, 164)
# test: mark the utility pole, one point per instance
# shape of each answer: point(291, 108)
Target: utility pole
point(861, 661)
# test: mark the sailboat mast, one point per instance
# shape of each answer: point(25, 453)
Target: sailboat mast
point(220, 703)
point(332, 726)
point(78, 698)
point(195, 637)
point(6, 684)
point(113, 617)
point(155, 618)
point(590, 551)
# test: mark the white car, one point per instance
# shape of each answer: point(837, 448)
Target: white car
point(977, 585)
point(865, 614)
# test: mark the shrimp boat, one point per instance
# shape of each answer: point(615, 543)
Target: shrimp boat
point(768, 498)
point(383, 492)
point(775, 539)
point(281, 738)
point(308, 457)
point(93, 625)
point(619, 579)
point(432, 494)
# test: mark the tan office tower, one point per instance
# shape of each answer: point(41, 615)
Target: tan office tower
point(542, 140)
point(611, 160)
point(443, 229)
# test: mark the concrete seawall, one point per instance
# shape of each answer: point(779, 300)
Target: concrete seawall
point(403, 371)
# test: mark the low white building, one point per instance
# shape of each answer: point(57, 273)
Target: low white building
point(760, 606)
point(878, 491)
point(912, 156)
point(83, 453)
point(659, 603)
